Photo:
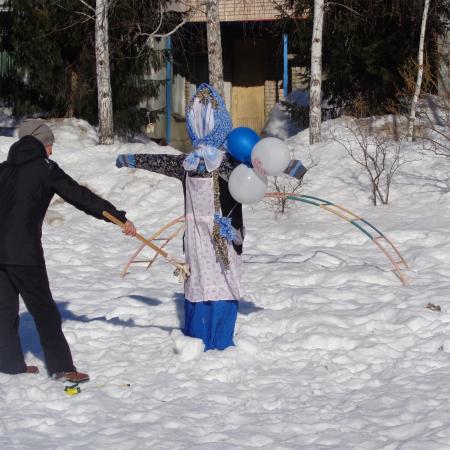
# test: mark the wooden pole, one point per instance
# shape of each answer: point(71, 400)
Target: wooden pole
point(182, 268)
point(151, 238)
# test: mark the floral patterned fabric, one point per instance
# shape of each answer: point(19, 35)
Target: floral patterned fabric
point(208, 281)
point(207, 119)
point(172, 166)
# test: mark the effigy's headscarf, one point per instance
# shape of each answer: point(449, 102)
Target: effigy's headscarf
point(208, 124)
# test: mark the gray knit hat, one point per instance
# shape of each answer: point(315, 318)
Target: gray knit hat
point(38, 129)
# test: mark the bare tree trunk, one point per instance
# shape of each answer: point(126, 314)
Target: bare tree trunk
point(315, 111)
point(215, 64)
point(73, 91)
point(444, 63)
point(104, 94)
point(412, 116)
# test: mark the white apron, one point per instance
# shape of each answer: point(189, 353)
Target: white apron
point(208, 282)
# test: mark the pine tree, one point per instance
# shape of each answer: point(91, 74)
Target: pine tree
point(54, 53)
point(50, 49)
point(365, 43)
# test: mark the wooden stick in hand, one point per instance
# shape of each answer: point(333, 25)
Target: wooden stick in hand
point(182, 269)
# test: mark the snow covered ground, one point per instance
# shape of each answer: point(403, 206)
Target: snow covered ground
point(332, 352)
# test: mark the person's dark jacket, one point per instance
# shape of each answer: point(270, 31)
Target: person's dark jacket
point(28, 181)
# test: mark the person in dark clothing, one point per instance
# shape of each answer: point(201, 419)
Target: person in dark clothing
point(28, 181)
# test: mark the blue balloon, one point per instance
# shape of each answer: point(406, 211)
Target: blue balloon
point(240, 143)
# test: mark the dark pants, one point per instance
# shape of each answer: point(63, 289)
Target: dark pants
point(31, 282)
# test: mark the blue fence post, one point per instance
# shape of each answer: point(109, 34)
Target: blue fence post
point(169, 90)
point(285, 65)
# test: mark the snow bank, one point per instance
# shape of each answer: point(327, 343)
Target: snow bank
point(331, 351)
point(279, 123)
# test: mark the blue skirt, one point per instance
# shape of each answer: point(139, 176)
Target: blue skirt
point(212, 321)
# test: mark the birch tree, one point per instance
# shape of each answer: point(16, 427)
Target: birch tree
point(215, 65)
point(412, 116)
point(444, 63)
point(104, 94)
point(315, 110)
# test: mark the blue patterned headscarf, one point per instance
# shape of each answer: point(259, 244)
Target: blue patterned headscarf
point(216, 134)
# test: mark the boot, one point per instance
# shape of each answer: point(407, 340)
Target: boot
point(72, 376)
point(32, 369)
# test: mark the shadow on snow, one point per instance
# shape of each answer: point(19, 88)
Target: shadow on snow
point(30, 339)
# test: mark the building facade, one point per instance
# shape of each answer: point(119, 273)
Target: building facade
point(258, 68)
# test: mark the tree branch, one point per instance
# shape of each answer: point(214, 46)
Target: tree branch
point(344, 6)
point(87, 5)
point(171, 32)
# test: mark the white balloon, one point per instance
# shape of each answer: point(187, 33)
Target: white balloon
point(270, 156)
point(246, 186)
